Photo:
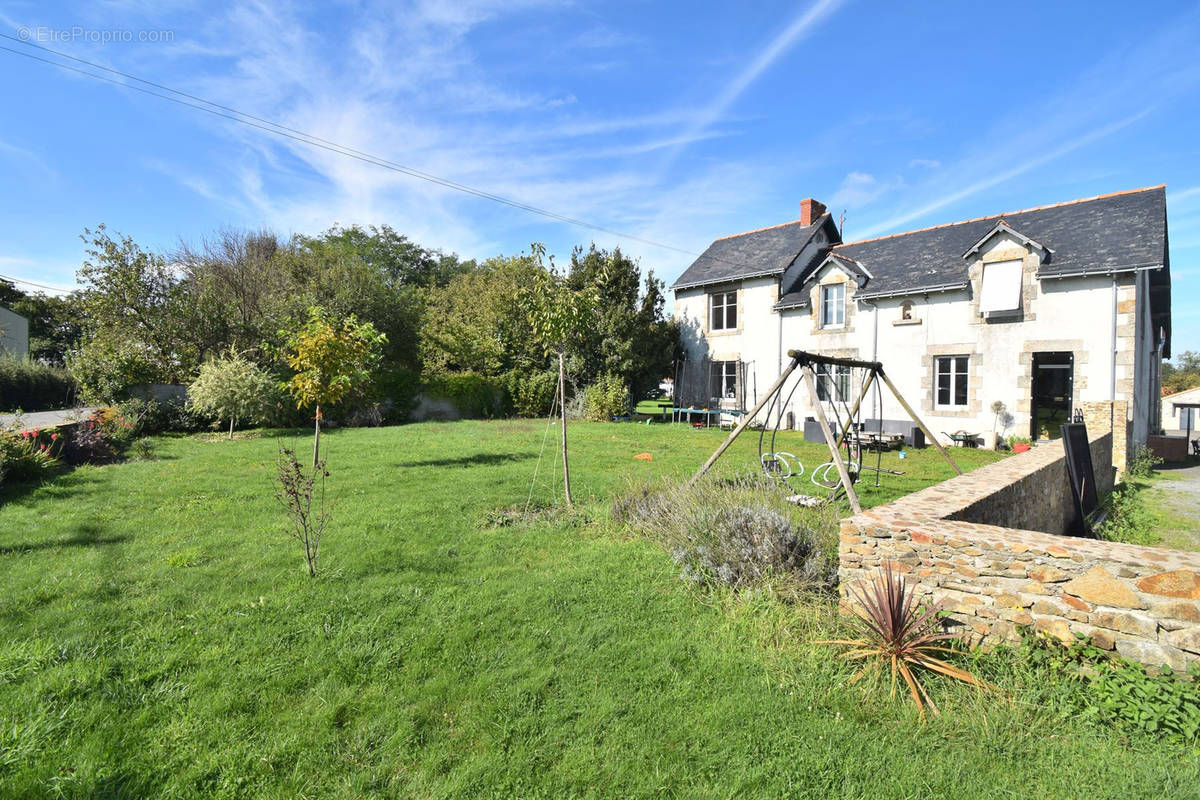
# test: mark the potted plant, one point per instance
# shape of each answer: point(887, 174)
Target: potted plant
point(1019, 444)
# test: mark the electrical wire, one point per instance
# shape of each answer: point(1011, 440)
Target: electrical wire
point(244, 118)
point(38, 285)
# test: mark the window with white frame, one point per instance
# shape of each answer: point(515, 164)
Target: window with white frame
point(951, 382)
point(833, 383)
point(833, 305)
point(722, 311)
point(722, 379)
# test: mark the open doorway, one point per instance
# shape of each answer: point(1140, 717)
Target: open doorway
point(1053, 381)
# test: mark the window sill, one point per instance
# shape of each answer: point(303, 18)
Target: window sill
point(907, 322)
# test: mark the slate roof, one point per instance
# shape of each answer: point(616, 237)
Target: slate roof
point(1118, 232)
point(767, 251)
point(1110, 233)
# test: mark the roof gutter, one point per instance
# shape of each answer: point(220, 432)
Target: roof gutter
point(945, 287)
point(727, 279)
point(1101, 272)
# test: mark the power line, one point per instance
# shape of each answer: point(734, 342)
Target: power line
point(241, 117)
point(24, 282)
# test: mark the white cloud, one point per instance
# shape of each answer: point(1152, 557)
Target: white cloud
point(861, 188)
point(801, 26)
point(924, 163)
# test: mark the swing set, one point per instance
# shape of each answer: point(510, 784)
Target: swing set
point(847, 418)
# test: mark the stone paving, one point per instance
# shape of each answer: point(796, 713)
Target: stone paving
point(45, 419)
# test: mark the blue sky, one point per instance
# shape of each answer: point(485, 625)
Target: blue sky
point(673, 122)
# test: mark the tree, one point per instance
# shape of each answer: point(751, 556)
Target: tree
point(232, 386)
point(135, 302)
point(476, 322)
point(332, 362)
point(560, 317)
point(1183, 375)
point(631, 337)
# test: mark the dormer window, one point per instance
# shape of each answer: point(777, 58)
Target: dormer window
point(833, 305)
point(722, 311)
point(1000, 292)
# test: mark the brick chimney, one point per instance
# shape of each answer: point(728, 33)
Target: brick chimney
point(810, 211)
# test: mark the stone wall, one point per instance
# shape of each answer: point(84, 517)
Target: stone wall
point(961, 544)
point(1110, 417)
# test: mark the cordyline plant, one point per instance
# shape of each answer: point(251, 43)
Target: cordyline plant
point(296, 494)
point(897, 632)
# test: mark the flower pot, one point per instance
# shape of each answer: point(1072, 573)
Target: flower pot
point(1020, 447)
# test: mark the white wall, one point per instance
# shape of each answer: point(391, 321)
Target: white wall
point(1074, 314)
point(1171, 418)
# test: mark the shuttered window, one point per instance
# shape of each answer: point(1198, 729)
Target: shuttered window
point(1001, 290)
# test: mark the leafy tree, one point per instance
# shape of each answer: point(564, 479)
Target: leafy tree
point(630, 338)
point(1184, 374)
point(332, 361)
point(231, 386)
point(561, 318)
point(135, 302)
point(476, 323)
point(402, 262)
point(55, 323)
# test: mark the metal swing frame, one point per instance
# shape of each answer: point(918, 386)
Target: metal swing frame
point(805, 361)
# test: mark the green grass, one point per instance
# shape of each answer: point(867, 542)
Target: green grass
point(159, 637)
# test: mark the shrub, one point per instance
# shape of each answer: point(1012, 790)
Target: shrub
point(28, 455)
point(306, 524)
point(532, 392)
point(735, 534)
point(89, 442)
point(897, 634)
point(398, 390)
point(34, 387)
point(150, 416)
point(1107, 690)
point(473, 395)
point(1129, 519)
point(232, 387)
point(608, 397)
point(1143, 462)
point(106, 371)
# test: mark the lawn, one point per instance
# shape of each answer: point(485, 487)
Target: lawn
point(160, 638)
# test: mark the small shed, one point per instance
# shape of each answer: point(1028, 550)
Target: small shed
point(14, 334)
point(1179, 411)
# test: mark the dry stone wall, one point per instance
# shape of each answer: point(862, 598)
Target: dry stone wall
point(950, 540)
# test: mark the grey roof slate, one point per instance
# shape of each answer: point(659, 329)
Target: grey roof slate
point(1111, 233)
point(763, 252)
point(1098, 235)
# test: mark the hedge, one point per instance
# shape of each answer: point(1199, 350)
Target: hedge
point(29, 386)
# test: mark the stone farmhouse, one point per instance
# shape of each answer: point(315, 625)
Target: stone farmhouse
point(1042, 310)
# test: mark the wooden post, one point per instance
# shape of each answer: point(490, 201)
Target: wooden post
point(562, 403)
point(741, 426)
point(316, 436)
point(834, 452)
point(862, 395)
point(928, 435)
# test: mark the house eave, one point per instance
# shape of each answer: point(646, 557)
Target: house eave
point(1084, 273)
point(728, 279)
point(945, 287)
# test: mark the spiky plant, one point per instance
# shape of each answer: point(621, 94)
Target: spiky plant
point(897, 632)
